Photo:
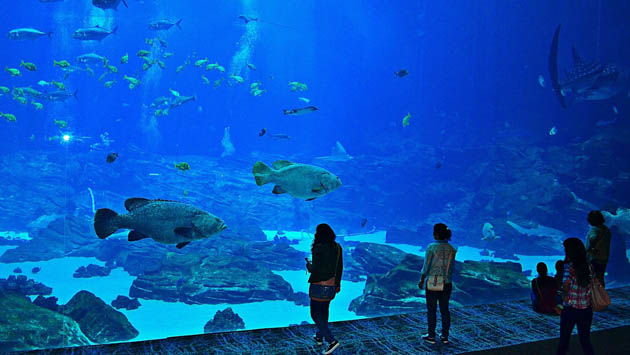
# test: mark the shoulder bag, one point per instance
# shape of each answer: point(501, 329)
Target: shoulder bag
point(325, 291)
point(599, 297)
point(436, 282)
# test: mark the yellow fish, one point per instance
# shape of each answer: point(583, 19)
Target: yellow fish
point(405, 120)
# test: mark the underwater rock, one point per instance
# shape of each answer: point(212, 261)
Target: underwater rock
point(370, 258)
point(36, 269)
point(300, 299)
point(474, 282)
point(126, 303)
point(99, 322)
point(44, 328)
point(57, 238)
point(200, 279)
point(224, 321)
point(91, 270)
point(17, 270)
point(24, 286)
point(47, 302)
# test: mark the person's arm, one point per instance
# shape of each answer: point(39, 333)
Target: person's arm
point(534, 288)
point(339, 269)
point(425, 267)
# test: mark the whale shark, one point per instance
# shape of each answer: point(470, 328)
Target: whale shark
point(588, 80)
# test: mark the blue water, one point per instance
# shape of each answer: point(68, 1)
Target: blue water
point(473, 82)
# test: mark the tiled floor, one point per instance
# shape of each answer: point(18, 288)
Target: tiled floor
point(474, 328)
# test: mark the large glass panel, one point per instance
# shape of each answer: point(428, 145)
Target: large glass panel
point(164, 164)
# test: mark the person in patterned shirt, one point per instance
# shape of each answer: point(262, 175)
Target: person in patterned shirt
point(577, 297)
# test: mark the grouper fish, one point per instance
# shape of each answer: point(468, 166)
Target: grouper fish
point(95, 33)
point(27, 33)
point(167, 222)
point(298, 180)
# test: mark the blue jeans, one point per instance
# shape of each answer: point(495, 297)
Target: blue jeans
point(568, 319)
point(432, 300)
point(319, 313)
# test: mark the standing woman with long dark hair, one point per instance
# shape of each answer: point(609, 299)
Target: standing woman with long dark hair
point(439, 262)
point(577, 297)
point(325, 282)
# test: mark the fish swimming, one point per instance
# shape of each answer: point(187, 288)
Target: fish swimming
point(111, 157)
point(108, 4)
point(58, 96)
point(300, 111)
point(247, 19)
point(587, 80)
point(90, 58)
point(401, 73)
point(27, 33)
point(180, 100)
point(167, 222)
point(279, 136)
point(163, 25)
point(298, 180)
point(96, 33)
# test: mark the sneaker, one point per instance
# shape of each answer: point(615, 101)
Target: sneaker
point(319, 341)
point(429, 339)
point(443, 339)
point(331, 347)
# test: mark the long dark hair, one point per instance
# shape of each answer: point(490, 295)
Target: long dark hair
point(442, 232)
point(576, 255)
point(324, 235)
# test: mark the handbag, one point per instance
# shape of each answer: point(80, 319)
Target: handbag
point(599, 297)
point(436, 283)
point(325, 290)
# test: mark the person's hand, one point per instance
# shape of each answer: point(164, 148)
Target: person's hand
point(338, 289)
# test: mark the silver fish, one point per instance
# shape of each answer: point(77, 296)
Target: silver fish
point(300, 111)
point(27, 33)
point(58, 96)
point(161, 25)
point(95, 33)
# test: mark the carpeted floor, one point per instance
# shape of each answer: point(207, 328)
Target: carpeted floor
point(474, 328)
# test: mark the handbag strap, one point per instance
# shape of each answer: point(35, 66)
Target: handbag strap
point(338, 257)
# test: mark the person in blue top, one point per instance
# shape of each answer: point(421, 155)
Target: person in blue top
point(439, 262)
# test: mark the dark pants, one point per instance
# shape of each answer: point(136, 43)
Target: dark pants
point(433, 297)
point(319, 313)
point(568, 319)
point(600, 270)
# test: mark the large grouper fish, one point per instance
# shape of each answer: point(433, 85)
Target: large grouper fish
point(298, 180)
point(164, 221)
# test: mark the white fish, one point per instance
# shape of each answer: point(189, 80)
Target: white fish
point(174, 92)
point(615, 110)
point(304, 99)
point(43, 83)
point(553, 131)
point(541, 80)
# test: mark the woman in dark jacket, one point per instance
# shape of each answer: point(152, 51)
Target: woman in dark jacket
point(326, 269)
